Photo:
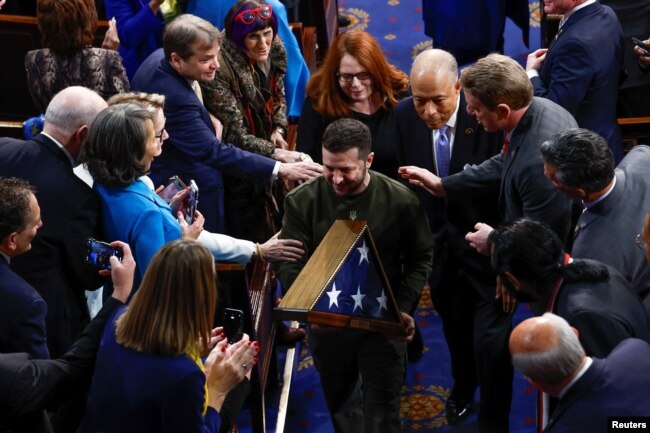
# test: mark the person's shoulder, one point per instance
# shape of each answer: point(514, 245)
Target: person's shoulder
point(405, 105)
point(308, 188)
point(395, 188)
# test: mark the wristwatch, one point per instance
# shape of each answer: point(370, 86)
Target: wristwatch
point(281, 131)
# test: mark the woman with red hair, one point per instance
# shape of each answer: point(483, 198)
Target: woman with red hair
point(355, 80)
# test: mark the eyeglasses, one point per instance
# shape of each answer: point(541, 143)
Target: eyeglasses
point(361, 76)
point(640, 242)
point(159, 136)
point(248, 16)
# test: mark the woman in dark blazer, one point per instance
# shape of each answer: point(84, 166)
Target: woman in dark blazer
point(149, 376)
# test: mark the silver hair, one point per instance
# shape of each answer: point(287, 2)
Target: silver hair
point(73, 107)
point(554, 365)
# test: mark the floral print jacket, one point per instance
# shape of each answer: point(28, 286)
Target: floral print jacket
point(248, 113)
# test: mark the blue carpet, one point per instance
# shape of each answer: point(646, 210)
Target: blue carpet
point(398, 26)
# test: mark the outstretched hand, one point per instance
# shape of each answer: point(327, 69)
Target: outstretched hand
point(423, 178)
point(276, 250)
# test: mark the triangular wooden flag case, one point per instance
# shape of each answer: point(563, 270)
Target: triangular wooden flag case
point(343, 285)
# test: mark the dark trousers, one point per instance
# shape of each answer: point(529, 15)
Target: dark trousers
point(477, 331)
point(361, 374)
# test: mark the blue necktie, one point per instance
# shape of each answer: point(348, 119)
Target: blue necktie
point(442, 152)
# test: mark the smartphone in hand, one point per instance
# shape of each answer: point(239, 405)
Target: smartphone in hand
point(233, 324)
point(98, 253)
point(192, 202)
point(642, 45)
point(175, 186)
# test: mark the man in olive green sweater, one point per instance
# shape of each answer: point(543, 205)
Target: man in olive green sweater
point(347, 358)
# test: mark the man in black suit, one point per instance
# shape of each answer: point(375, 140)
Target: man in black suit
point(69, 208)
point(462, 282)
point(580, 164)
point(593, 297)
point(499, 95)
point(22, 310)
point(28, 386)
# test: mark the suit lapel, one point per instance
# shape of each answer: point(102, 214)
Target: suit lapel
point(601, 209)
point(466, 128)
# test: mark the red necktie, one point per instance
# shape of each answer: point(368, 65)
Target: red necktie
point(506, 145)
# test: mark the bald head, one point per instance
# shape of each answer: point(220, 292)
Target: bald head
point(433, 62)
point(70, 113)
point(546, 349)
point(435, 87)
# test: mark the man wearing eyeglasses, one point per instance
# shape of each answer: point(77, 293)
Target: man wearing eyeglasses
point(193, 151)
point(580, 164)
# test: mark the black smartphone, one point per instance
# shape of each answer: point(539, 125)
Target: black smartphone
point(233, 324)
point(639, 43)
point(174, 187)
point(98, 253)
point(192, 202)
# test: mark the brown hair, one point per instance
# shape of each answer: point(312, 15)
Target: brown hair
point(66, 25)
point(15, 206)
point(171, 314)
point(185, 33)
point(323, 87)
point(498, 79)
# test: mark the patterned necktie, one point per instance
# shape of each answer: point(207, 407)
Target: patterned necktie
point(442, 152)
point(506, 145)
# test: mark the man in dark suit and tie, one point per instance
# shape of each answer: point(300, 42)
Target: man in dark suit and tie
point(438, 134)
point(546, 350)
point(580, 164)
point(69, 208)
point(500, 97)
point(193, 151)
point(581, 69)
point(22, 309)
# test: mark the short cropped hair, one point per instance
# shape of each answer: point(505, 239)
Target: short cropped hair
point(66, 25)
point(344, 134)
point(498, 79)
point(581, 158)
point(116, 145)
point(184, 32)
point(172, 312)
point(73, 107)
point(552, 366)
point(236, 31)
point(15, 209)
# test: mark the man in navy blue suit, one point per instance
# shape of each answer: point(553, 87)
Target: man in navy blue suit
point(589, 390)
point(55, 265)
point(193, 151)
point(581, 69)
point(22, 310)
point(462, 281)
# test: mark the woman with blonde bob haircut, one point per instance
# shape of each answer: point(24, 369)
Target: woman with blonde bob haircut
point(355, 80)
point(149, 368)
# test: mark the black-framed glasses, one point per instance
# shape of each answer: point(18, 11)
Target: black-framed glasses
point(159, 136)
point(361, 76)
point(248, 16)
point(640, 242)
